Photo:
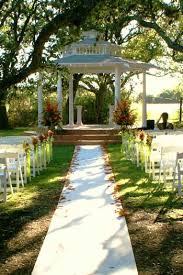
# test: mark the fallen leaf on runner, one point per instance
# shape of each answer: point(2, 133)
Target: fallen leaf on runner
point(63, 180)
point(57, 197)
point(118, 204)
point(117, 188)
point(121, 213)
point(120, 198)
point(62, 198)
point(111, 178)
point(67, 182)
point(70, 187)
point(117, 200)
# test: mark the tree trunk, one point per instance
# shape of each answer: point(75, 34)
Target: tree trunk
point(76, 79)
point(4, 124)
point(99, 105)
point(100, 96)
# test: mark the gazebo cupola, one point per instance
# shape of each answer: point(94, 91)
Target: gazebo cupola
point(91, 45)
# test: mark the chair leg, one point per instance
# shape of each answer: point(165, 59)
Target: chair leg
point(160, 171)
point(179, 187)
point(33, 168)
point(21, 176)
point(4, 182)
point(153, 171)
point(164, 175)
point(17, 179)
point(25, 172)
point(10, 182)
point(174, 179)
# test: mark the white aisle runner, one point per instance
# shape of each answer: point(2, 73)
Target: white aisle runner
point(85, 236)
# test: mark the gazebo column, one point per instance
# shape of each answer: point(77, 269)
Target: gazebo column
point(59, 93)
point(117, 86)
point(40, 100)
point(71, 103)
point(144, 103)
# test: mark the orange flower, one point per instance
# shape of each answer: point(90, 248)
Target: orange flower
point(123, 115)
point(50, 133)
point(51, 115)
point(41, 137)
point(35, 141)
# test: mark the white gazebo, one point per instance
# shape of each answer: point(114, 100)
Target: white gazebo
point(93, 56)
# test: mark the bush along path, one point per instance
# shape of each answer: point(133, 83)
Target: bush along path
point(25, 217)
point(88, 233)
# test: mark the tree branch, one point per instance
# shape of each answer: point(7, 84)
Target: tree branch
point(153, 25)
point(69, 17)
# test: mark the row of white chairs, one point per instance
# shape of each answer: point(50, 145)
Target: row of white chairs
point(163, 160)
point(18, 166)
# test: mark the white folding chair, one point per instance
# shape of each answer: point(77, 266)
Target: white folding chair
point(3, 163)
point(178, 173)
point(3, 181)
point(153, 160)
point(13, 167)
point(168, 162)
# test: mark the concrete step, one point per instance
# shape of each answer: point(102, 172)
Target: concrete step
point(87, 137)
point(87, 142)
point(90, 131)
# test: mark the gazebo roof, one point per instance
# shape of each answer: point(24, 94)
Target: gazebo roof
point(98, 56)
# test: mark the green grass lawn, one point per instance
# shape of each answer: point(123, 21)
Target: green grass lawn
point(25, 217)
point(137, 189)
point(154, 217)
point(14, 132)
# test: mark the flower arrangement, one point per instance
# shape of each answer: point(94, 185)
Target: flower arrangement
point(140, 135)
point(51, 114)
point(124, 115)
point(146, 138)
point(41, 137)
point(26, 146)
point(35, 141)
point(50, 133)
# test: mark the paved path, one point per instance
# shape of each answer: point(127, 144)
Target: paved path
point(85, 236)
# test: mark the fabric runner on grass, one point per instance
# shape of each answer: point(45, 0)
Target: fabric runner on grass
point(85, 236)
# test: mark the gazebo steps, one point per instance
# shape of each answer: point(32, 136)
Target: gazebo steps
point(91, 131)
point(86, 142)
point(88, 136)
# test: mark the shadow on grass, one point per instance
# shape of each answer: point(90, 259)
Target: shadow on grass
point(137, 187)
point(154, 220)
point(25, 217)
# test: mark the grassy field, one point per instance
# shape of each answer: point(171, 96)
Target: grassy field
point(25, 217)
point(14, 132)
point(155, 217)
point(155, 110)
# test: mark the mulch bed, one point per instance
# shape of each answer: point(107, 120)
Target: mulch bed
point(21, 245)
point(157, 242)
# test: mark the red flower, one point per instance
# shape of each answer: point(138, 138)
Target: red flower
point(123, 115)
point(141, 135)
point(50, 133)
point(34, 141)
point(41, 137)
point(51, 114)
